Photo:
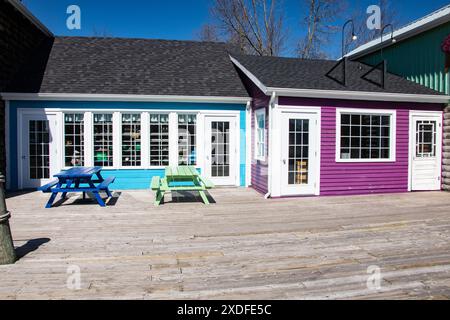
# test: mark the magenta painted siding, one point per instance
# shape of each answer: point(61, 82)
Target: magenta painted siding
point(361, 178)
point(259, 169)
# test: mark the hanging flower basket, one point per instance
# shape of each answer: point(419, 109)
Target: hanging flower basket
point(446, 49)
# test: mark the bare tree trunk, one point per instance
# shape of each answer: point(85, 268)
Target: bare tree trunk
point(7, 252)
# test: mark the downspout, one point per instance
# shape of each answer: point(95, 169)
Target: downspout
point(269, 153)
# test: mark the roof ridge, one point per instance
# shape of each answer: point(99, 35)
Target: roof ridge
point(140, 38)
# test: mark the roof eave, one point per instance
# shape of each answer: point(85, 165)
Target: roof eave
point(25, 12)
point(120, 98)
point(358, 95)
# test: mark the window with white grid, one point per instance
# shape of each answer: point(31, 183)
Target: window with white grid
point(131, 140)
point(159, 140)
point(39, 149)
point(74, 139)
point(103, 140)
point(365, 136)
point(260, 134)
point(187, 139)
point(426, 139)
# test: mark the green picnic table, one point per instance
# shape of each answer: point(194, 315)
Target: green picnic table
point(183, 178)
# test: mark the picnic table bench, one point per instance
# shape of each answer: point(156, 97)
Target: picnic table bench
point(78, 179)
point(184, 178)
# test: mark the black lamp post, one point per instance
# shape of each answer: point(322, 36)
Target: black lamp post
point(354, 37)
point(381, 38)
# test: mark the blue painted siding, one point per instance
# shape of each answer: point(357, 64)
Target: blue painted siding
point(127, 179)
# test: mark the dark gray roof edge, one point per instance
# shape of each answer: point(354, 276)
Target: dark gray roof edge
point(269, 89)
point(32, 18)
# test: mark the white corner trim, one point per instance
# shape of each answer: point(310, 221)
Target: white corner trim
point(248, 132)
point(24, 11)
point(359, 95)
point(419, 26)
point(250, 75)
point(393, 134)
point(120, 98)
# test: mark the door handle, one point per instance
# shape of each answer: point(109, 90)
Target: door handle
point(24, 157)
point(284, 161)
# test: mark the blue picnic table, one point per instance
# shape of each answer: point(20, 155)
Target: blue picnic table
point(79, 179)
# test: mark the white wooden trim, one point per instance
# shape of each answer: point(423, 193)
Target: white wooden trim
point(275, 171)
point(145, 141)
point(88, 139)
point(58, 140)
point(248, 145)
point(359, 95)
point(393, 134)
point(260, 112)
point(117, 143)
point(173, 139)
point(120, 98)
point(7, 146)
point(439, 116)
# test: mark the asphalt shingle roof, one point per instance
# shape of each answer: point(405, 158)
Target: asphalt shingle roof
point(311, 74)
point(130, 66)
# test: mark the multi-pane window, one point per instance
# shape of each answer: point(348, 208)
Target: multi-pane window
point(103, 140)
point(260, 135)
point(131, 140)
point(74, 139)
point(298, 151)
point(425, 139)
point(365, 136)
point(187, 139)
point(159, 140)
point(220, 148)
point(39, 149)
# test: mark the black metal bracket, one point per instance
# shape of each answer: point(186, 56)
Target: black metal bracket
point(383, 74)
point(343, 63)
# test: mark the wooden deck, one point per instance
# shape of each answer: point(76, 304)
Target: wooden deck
point(241, 247)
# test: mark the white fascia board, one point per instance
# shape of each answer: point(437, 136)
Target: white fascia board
point(121, 98)
point(359, 95)
point(250, 75)
point(25, 12)
point(424, 24)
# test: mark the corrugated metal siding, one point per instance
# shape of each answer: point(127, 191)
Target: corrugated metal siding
point(418, 59)
point(361, 178)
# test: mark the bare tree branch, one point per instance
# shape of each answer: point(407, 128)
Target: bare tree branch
point(319, 24)
point(250, 24)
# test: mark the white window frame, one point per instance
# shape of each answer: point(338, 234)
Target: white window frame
point(86, 134)
point(91, 135)
point(260, 112)
point(393, 133)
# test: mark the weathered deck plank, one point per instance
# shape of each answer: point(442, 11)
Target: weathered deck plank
point(241, 247)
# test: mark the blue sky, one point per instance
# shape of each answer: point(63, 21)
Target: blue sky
point(181, 19)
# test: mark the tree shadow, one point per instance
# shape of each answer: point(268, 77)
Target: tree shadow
point(30, 246)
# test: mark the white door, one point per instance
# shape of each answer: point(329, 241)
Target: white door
point(427, 148)
point(220, 150)
point(38, 150)
point(299, 154)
